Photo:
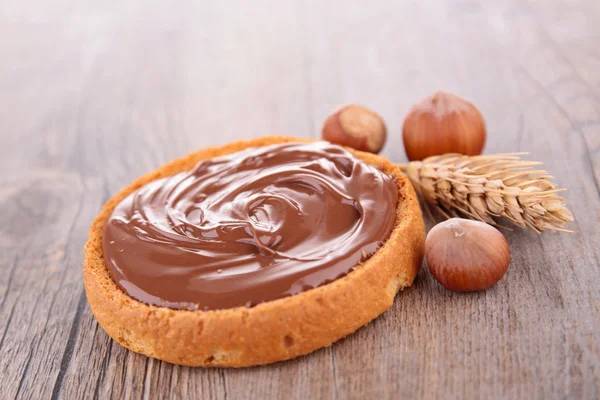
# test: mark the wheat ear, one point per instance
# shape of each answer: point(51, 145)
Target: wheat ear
point(488, 186)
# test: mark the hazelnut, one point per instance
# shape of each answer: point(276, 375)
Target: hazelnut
point(355, 126)
point(465, 255)
point(443, 123)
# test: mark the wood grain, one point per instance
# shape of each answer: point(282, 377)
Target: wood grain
point(94, 94)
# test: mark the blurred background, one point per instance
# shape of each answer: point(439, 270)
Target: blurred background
point(138, 76)
point(93, 94)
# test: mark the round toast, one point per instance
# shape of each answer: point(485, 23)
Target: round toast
point(271, 331)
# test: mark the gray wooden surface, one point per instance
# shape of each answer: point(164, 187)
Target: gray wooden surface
point(93, 94)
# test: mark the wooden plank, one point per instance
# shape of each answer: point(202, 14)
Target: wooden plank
point(45, 214)
point(101, 95)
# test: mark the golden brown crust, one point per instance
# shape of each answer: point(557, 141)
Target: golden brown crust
point(269, 332)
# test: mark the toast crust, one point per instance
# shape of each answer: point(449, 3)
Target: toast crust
point(271, 331)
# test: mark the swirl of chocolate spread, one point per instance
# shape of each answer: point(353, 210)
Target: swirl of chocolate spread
point(249, 227)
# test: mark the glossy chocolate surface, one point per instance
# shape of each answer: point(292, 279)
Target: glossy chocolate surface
point(249, 227)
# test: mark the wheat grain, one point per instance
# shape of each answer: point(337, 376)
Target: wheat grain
point(489, 186)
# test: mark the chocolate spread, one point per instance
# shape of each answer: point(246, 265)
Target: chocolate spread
point(249, 227)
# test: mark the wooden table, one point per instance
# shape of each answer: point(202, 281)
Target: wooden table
point(93, 94)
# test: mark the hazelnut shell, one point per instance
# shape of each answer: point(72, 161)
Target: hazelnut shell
point(355, 126)
point(443, 123)
point(465, 255)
